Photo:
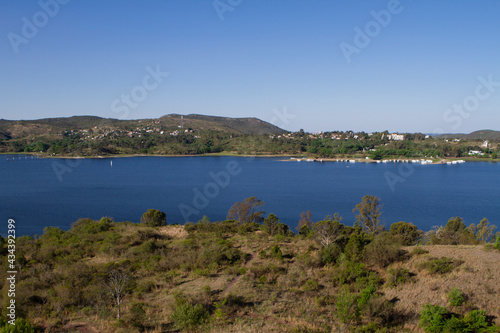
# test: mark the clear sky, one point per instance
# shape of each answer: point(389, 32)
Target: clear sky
point(316, 65)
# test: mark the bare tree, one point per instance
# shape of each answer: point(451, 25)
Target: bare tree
point(326, 232)
point(305, 220)
point(117, 284)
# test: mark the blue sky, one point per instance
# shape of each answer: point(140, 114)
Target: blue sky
point(278, 60)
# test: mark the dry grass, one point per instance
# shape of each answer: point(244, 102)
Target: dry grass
point(478, 278)
point(173, 231)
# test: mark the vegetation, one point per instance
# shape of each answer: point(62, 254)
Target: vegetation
point(154, 218)
point(252, 274)
point(197, 134)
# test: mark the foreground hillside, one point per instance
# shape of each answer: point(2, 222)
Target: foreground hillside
point(103, 276)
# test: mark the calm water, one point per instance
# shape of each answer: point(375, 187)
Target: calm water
point(56, 192)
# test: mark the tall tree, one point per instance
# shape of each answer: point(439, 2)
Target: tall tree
point(369, 214)
point(247, 211)
point(271, 224)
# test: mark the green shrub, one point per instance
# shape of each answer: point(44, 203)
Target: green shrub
point(346, 306)
point(405, 233)
point(455, 297)
point(329, 254)
point(311, 285)
point(354, 248)
point(354, 273)
point(366, 295)
point(433, 318)
point(436, 319)
point(399, 276)
point(187, 315)
point(418, 251)
point(21, 325)
point(276, 252)
point(441, 265)
point(497, 243)
point(382, 251)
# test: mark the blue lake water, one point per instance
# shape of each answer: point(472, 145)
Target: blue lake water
point(56, 192)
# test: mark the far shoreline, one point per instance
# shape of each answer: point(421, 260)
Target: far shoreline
point(284, 157)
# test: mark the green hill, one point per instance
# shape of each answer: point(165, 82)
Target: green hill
point(51, 126)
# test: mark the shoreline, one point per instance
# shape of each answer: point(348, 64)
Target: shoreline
point(283, 158)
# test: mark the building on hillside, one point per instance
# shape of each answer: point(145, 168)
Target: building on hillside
point(396, 137)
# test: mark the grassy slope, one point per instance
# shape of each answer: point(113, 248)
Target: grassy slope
point(289, 302)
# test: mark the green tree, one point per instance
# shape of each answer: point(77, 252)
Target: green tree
point(154, 218)
point(271, 224)
point(406, 233)
point(369, 214)
point(455, 232)
point(483, 232)
point(247, 211)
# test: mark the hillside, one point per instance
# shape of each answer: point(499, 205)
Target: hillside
point(245, 277)
point(53, 126)
point(238, 125)
point(477, 135)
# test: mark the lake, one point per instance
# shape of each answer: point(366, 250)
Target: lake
point(56, 192)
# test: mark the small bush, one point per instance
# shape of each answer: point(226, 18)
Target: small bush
point(276, 252)
point(329, 254)
point(187, 315)
point(455, 297)
point(433, 318)
point(399, 276)
point(441, 265)
point(418, 251)
point(436, 319)
point(347, 311)
point(311, 285)
point(383, 251)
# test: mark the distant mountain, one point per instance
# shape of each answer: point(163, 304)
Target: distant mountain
point(477, 135)
point(50, 126)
